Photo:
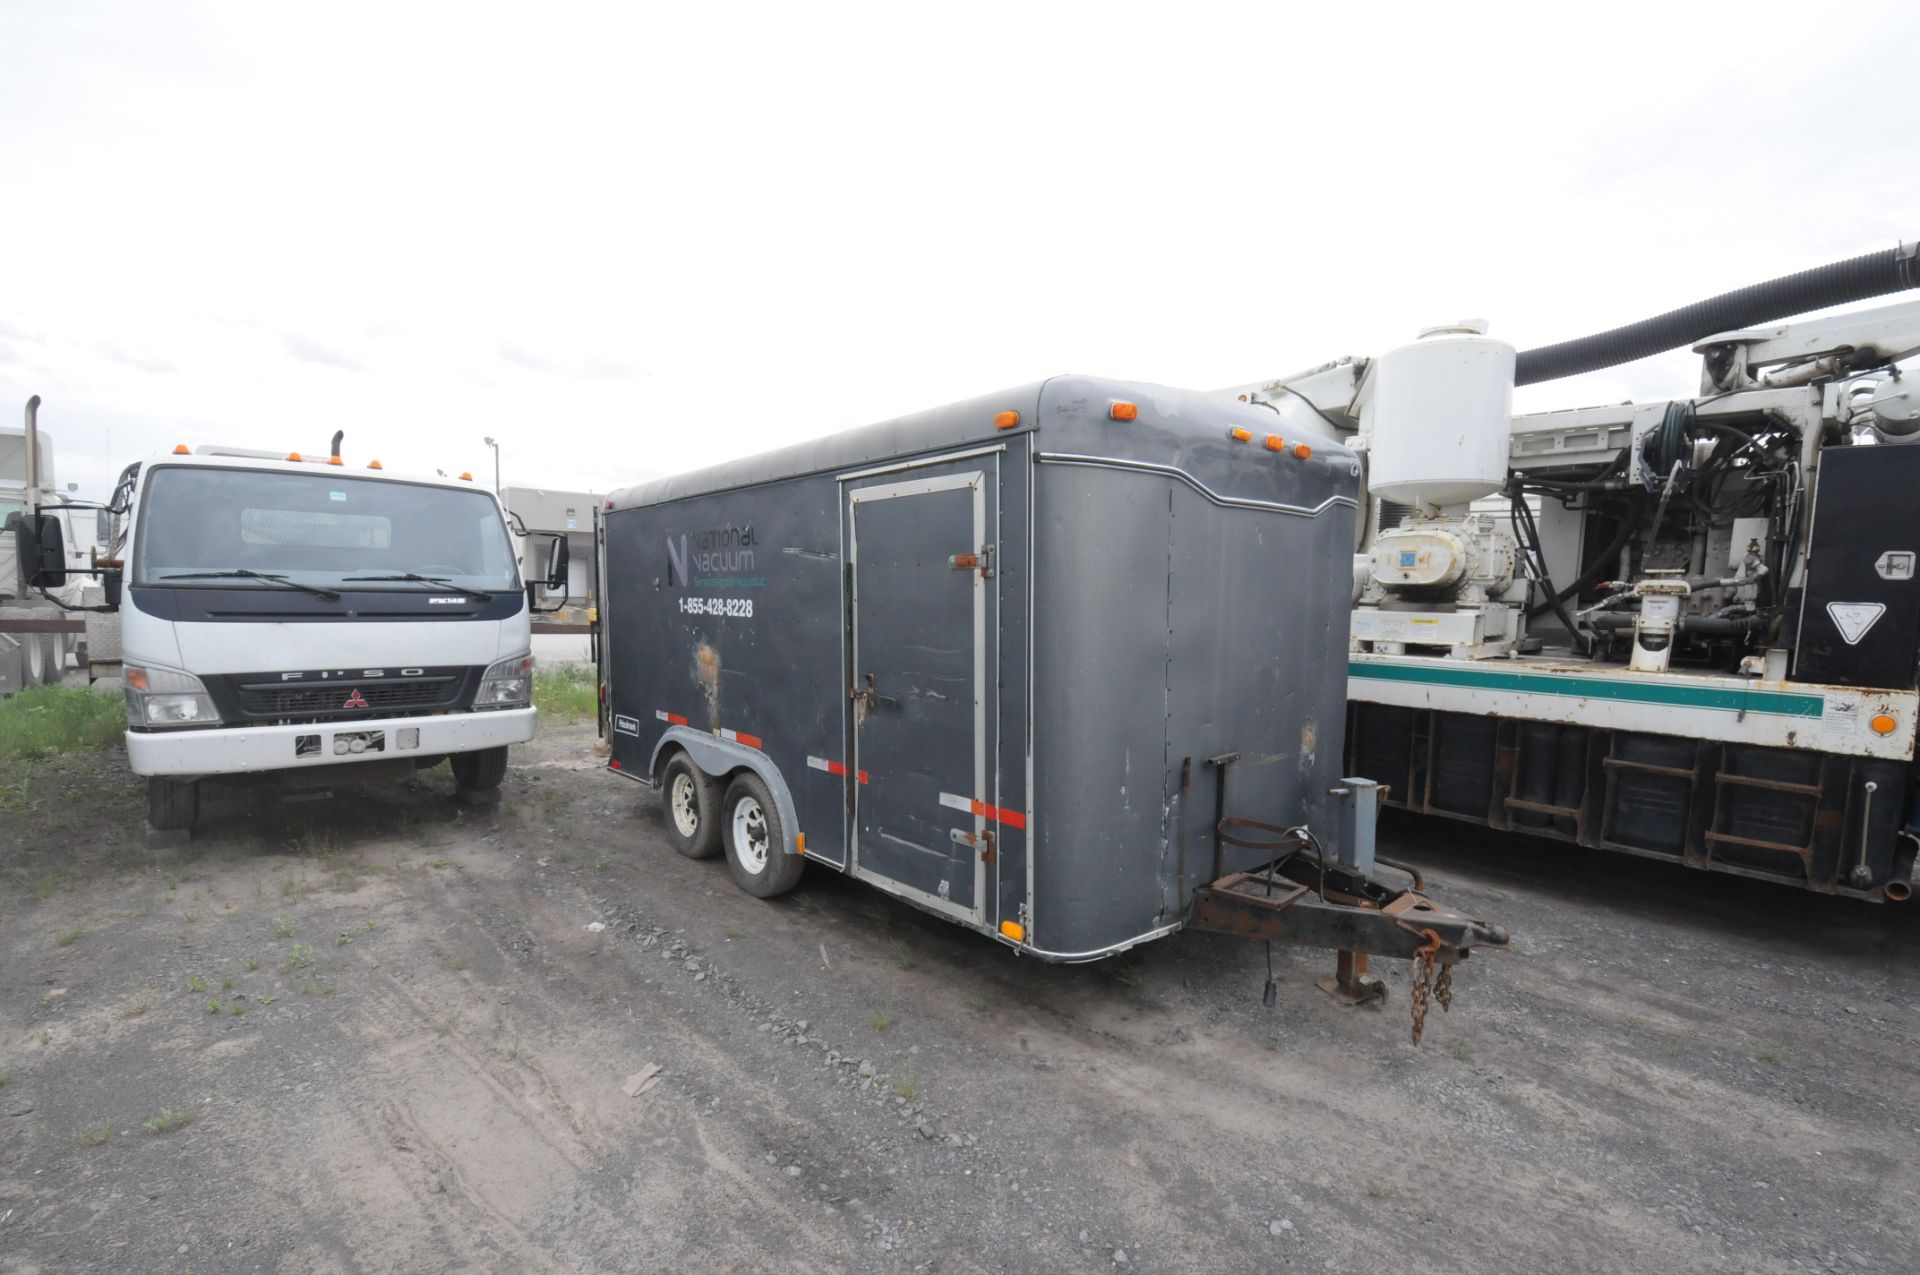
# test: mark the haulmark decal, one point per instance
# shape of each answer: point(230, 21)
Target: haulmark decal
point(999, 814)
point(624, 725)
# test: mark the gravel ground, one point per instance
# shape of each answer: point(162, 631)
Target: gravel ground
point(379, 1031)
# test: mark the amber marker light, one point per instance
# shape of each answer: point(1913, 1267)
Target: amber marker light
point(1006, 420)
point(466, 477)
point(1013, 930)
point(1275, 443)
point(1123, 411)
point(293, 455)
point(374, 464)
point(180, 449)
point(1239, 435)
point(1302, 450)
point(1883, 724)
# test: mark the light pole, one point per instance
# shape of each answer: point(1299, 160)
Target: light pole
point(496, 465)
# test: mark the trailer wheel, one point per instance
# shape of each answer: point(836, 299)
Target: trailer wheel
point(480, 771)
point(756, 843)
point(172, 803)
point(690, 807)
point(39, 661)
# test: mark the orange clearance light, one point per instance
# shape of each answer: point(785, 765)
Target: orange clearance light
point(293, 455)
point(180, 449)
point(1883, 724)
point(1275, 443)
point(335, 460)
point(1006, 420)
point(800, 843)
point(1013, 930)
point(1124, 411)
point(1302, 450)
point(466, 477)
point(1239, 435)
point(374, 464)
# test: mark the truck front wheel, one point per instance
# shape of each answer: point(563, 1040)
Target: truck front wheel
point(756, 841)
point(172, 804)
point(690, 802)
point(480, 771)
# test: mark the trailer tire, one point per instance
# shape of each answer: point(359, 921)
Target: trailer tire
point(172, 804)
point(690, 808)
point(480, 771)
point(756, 840)
point(39, 660)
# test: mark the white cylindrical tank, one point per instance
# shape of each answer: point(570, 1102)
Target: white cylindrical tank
point(1439, 418)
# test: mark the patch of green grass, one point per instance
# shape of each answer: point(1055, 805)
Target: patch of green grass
point(800, 900)
point(67, 938)
point(46, 1038)
point(268, 1000)
point(1769, 1054)
point(879, 1019)
point(438, 865)
point(96, 1135)
point(283, 927)
point(902, 957)
point(907, 1083)
point(236, 1009)
point(346, 937)
point(140, 1004)
point(314, 987)
point(1128, 973)
point(455, 964)
point(213, 1004)
point(447, 1024)
point(49, 720)
point(226, 984)
point(5, 1076)
point(978, 1003)
point(253, 964)
point(1460, 1051)
point(46, 885)
point(167, 1119)
point(298, 958)
point(195, 983)
point(566, 692)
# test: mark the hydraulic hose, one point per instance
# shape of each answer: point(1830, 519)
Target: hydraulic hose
point(1874, 275)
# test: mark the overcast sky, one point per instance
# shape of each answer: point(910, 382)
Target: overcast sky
point(640, 238)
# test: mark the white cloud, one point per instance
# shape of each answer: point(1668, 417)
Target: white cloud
point(628, 239)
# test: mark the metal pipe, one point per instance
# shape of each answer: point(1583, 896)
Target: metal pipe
point(33, 450)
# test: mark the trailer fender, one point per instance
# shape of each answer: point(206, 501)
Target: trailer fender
point(720, 757)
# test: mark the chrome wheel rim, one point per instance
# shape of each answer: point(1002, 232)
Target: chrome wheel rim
point(686, 810)
point(36, 660)
point(750, 835)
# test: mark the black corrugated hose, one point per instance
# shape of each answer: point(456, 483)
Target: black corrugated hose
point(1874, 275)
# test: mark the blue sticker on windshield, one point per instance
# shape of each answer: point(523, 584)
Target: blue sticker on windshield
point(336, 495)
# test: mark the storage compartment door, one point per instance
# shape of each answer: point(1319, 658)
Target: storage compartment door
point(918, 661)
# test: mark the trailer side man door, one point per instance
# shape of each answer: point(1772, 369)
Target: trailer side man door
point(919, 660)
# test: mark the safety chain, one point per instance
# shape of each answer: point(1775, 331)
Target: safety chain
point(1426, 986)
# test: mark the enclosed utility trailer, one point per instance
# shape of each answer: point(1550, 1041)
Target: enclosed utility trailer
point(1012, 660)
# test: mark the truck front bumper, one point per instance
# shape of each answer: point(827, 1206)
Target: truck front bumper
point(228, 750)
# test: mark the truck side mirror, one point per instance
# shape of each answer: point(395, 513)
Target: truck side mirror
point(42, 551)
point(562, 554)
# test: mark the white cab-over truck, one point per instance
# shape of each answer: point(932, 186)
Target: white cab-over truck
point(281, 614)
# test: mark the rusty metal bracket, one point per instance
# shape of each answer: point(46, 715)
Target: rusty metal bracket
point(1239, 905)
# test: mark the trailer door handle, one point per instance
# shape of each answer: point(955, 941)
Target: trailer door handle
point(869, 697)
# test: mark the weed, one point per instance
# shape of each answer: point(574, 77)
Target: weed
point(5, 1076)
point(455, 964)
point(1383, 1192)
point(195, 983)
point(906, 1084)
point(800, 899)
point(298, 957)
point(96, 1135)
point(235, 1008)
point(1129, 974)
point(48, 720)
point(253, 964)
point(603, 864)
point(879, 1019)
point(283, 927)
point(267, 1000)
point(1273, 1043)
point(139, 1005)
point(226, 984)
point(346, 937)
point(902, 957)
point(45, 885)
point(1460, 1051)
point(67, 938)
point(978, 1003)
point(167, 1119)
point(437, 864)
point(314, 987)
point(732, 933)
point(213, 1004)
point(448, 1022)
point(1769, 1055)
point(46, 1038)
point(509, 1050)
point(565, 692)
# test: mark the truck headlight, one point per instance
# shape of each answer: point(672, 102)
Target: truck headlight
point(507, 683)
point(160, 698)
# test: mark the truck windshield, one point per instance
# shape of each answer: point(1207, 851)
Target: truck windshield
point(316, 529)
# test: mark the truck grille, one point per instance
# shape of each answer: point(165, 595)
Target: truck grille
point(339, 695)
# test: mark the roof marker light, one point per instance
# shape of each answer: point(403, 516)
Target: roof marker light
point(180, 449)
point(374, 464)
point(1006, 420)
point(466, 477)
point(293, 455)
point(1302, 450)
point(1123, 411)
point(1275, 443)
point(1240, 435)
point(335, 460)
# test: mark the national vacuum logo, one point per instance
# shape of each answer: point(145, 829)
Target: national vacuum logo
point(727, 550)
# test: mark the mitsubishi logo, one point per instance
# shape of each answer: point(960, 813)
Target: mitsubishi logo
point(355, 700)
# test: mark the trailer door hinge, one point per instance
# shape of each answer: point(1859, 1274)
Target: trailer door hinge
point(980, 560)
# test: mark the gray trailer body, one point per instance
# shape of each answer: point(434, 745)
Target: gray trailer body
point(1151, 636)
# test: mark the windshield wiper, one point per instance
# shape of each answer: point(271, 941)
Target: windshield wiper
point(410, 577)
point(244, 574)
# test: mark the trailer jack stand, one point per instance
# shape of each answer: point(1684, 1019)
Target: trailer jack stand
point(1350, 983)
